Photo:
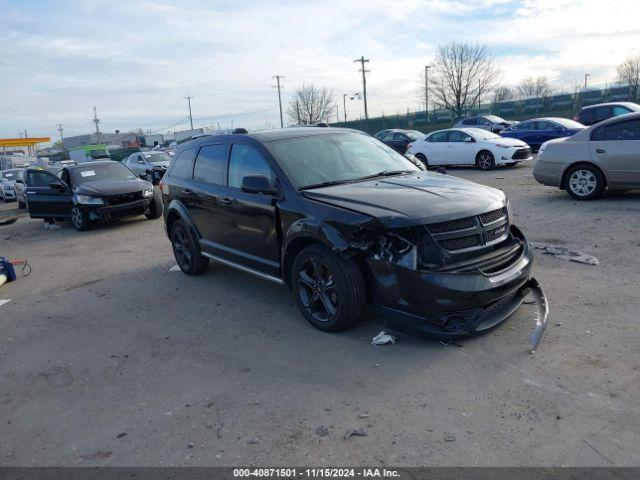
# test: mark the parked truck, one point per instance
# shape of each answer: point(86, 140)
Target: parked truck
point(89, 153)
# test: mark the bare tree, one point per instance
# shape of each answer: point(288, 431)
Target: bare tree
point(534, 87)
point(629, 73)
point(310, 105)
point(461, 74)
point(500, 94)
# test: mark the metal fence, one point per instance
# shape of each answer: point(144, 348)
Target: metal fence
point(558, 105)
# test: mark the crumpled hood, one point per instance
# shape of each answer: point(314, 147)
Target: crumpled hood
point(413, 199)
point(104, 188)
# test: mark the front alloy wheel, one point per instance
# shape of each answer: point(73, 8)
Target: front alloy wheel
point(317, 290)
point(79, 219)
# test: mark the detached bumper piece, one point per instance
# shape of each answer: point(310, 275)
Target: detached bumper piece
point(120, 210)
point(542, 310)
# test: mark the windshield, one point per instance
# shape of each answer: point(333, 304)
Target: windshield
point(415, 134)
point(100, 172)
point(156, 157)
point(10, 174)
point(566, 123)
point(495, 119)
point(480, 134)
point(335, 158)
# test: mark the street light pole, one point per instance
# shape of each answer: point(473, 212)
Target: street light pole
point(344, 105)
point(586, 75)
point(426, 92)
point(278, 77)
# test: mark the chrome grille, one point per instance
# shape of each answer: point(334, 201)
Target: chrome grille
point(471, 233)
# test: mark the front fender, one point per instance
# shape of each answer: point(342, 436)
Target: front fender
point(177, 208)
point(316, 230)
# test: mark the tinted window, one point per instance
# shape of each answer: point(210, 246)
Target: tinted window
point(469, 121)
point(619, 110)
point(458, 136)
point(40, 179)
point(602, 113)
point(183, 164)
point(387, 137)
point(438, 137)
point(210, 164)
point(399, 137)
point(546, 125)
point(246, 160)
point(628, 130)
point(526, 126)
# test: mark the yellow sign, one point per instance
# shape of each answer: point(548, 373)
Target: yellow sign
point(23, 142)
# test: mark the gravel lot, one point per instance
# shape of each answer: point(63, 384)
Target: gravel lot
point(108, 358)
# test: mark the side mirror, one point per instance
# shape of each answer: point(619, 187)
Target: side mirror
point(258, 184)
point(59, 185)
point(469, 140)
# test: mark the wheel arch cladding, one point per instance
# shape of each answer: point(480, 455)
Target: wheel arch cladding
point(303, 233)
point(177, 211)
point(563, 181)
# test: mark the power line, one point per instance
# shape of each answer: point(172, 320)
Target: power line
point(190, 117)
point(278, 77)
point(362, 61)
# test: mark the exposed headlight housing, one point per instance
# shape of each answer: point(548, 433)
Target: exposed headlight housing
point(89, 200)
point(148, 192)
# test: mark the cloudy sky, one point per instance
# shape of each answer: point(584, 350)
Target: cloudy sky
point(136, 60)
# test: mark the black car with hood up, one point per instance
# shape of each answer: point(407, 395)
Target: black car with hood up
point(344, 221)
point(90, 192)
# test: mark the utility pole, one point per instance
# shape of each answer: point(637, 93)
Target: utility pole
point(298, 110)
point(426, 91)
point(362, 61)
point(344, 105)
point(479, 93)
point(190, 117)
point(60, 129)
point(278, 77)
point(96, 120)
point(586, 75)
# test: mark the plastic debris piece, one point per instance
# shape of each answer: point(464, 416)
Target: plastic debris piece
point(4, 300)
point(360, 432)
point(565, 253)
point(175, 268)
point(383, 338)
point(322, 431)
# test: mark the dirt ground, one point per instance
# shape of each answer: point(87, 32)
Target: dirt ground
point(109, 358)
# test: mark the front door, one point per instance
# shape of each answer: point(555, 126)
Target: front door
point(616, 147)
point(251, 236)
point(460, 148)
point(46, 195)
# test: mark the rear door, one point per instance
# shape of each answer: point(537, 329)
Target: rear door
point(616, 147)
point(249, 219)
point(43, 200)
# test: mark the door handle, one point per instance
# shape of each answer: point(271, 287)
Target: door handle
point(599, 150)
point(226, 200)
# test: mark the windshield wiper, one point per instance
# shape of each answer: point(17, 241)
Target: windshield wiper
point(383, 173)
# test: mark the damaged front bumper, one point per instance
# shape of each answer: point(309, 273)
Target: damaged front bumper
point(449, 305)
point(112, 212)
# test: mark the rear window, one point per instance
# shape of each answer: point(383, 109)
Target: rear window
point(210, 164)
point(627, 130)
point(183, 164)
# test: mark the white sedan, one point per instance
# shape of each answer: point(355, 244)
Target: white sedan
point(469, 146)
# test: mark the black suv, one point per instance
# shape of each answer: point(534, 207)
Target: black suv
point(344, 221)
point(89, 192)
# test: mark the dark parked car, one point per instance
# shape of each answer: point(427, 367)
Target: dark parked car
point(400, 139)
point(596, 113)
point(536, 131)
point(343, 220)
point(150, 166)
point(90, 192)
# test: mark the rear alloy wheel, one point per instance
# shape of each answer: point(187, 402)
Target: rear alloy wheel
point(329, 288)
point(187, 255)
point(584, 182)
point(79, 219)
point(485, 160)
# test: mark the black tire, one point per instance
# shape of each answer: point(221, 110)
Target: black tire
point(186, 252)
point(584, 182)
point(155, 206)
point(485, 160)
point(328, 288)
point(79, 219)
point(423, 158)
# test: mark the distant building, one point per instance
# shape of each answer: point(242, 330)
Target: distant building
point(123, 140)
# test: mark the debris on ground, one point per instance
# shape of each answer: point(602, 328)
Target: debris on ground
point(363, 415)
point(120, 435)
point(9, 221)
point(446, 343)
point(101, 454)
point(565, 253)
point(322, 431)
point(383, 338)
point(360, 432)
point(189, 445)
point(449, 438)
point(4, 300)
point(175, 268)
point(252, 441)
